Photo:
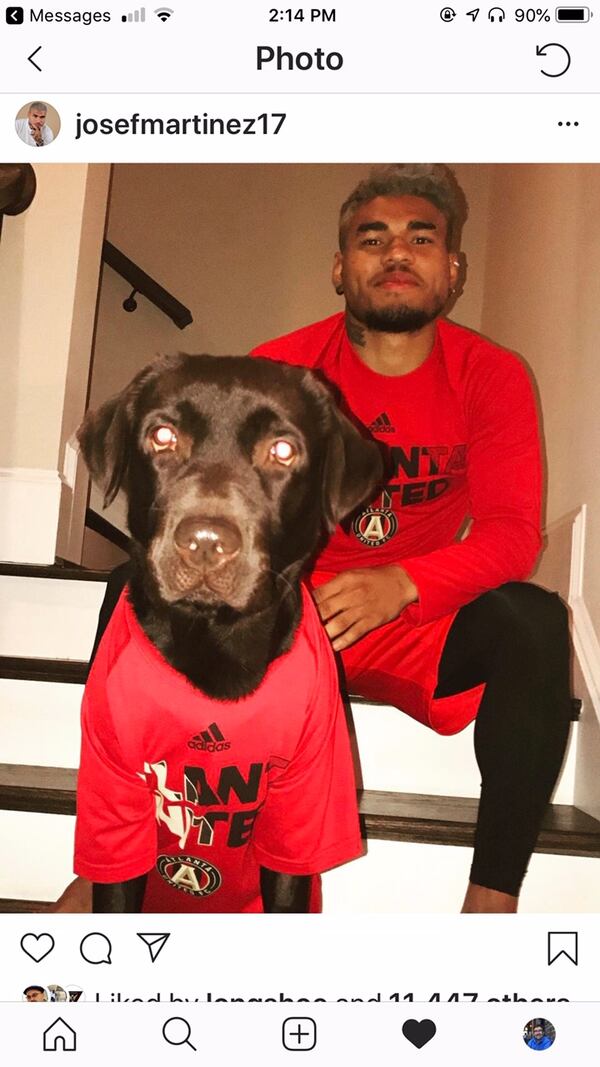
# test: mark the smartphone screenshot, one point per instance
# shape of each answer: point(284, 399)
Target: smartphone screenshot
point(299, 533)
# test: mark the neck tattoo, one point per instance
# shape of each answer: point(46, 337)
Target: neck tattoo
point(356, 332)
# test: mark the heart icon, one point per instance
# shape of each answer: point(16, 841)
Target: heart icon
point(37, 946)
point(419, 1033)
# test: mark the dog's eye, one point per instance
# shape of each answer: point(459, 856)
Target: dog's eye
point(283, 452)
point(163, 438)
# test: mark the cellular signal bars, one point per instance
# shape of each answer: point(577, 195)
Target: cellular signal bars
point(135, 16)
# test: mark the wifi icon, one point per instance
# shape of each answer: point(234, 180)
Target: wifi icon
point(163, 13)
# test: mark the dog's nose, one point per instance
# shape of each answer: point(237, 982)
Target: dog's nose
point(207, 542)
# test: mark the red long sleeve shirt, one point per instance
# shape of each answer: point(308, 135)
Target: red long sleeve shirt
point(463, 440)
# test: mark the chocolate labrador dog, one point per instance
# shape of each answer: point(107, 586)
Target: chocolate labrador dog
point(234, 470)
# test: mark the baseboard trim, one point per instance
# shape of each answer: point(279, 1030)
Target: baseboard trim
point(585, 638)
point(587, 650)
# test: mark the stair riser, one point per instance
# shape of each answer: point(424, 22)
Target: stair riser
point(392, 878)
point(48, 618)
point(398, 754)
point(39, 723)
point(38, 854)
point(403, 877)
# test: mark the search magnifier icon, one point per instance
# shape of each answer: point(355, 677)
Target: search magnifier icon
point(177, 1031)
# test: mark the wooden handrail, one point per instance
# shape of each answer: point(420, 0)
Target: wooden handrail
point(147, 286)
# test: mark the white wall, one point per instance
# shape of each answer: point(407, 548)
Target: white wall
point(542, 298)
point(49, 265)
point(248, 248)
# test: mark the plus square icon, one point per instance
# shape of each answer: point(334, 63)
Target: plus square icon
point(14, 16)
point(299, 1034)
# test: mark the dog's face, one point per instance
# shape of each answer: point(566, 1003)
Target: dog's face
point(233, 467)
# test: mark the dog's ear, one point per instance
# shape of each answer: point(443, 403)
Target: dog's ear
point(106, 435)
point(105, 440)
point(353, 467)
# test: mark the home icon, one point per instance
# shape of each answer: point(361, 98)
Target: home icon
point(60, 1037)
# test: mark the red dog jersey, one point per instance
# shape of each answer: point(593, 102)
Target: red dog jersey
point(201, 792)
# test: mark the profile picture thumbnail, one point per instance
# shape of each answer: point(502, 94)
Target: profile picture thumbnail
point(36, 994)
point(74, 993)
point(57, 993)
point(539, 1034)
point(37, 123)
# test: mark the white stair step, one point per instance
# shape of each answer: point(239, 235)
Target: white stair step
point(398, 754)
point(49, 618)
point(38, 854)
point(39, 722)
point(407, 877)
point(56, 618)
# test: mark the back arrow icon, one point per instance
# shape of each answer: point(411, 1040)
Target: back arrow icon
point(541, 51)
point(31, 59)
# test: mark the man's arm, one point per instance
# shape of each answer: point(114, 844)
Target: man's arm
point(504, 475)
point(504, 478)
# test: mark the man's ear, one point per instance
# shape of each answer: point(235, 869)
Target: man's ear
point(336, 274)
point(454, 261)
point(353, 467)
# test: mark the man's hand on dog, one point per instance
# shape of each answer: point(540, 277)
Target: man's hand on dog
point(357, 601)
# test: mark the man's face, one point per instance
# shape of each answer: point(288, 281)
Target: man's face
point(37, 118)
point(395, 269)
point(35, 995)
point(538, 1033)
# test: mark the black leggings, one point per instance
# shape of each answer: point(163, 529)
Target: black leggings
point(516, 640)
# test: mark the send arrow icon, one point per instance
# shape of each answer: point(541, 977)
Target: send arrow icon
point(155, 943)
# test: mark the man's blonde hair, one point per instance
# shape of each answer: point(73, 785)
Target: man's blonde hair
point(431, 181)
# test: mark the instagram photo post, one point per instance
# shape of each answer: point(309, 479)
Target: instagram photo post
point(299, 534)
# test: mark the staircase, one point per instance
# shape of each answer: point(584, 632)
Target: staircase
point(47, 627)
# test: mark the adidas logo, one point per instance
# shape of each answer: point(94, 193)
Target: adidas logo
point(209, 740)
point(382, 424)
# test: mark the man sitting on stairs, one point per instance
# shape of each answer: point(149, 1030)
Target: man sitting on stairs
point(440, 626)
point(429, 618)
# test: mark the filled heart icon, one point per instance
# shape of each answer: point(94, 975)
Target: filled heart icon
point(419, 1033)
point(37, 946)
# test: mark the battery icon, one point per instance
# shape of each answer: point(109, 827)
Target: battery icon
point(572, 14)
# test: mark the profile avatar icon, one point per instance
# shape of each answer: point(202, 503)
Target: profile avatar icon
point(37, 124)
point(35, 994)
point(539, 1034)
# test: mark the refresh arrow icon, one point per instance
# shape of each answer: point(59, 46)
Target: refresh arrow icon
point(541, 50)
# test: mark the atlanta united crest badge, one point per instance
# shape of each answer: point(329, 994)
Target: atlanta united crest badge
point(375, 526)
point(190, 874)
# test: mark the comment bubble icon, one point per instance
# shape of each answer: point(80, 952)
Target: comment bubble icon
point(96, 948)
